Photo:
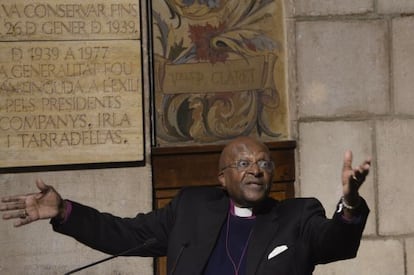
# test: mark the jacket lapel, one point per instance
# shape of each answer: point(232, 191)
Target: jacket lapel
point(264, 231)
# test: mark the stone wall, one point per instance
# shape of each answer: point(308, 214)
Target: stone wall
point(36, 249)
point(352, 84)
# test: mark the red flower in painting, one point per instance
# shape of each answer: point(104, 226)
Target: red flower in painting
point(201, 36)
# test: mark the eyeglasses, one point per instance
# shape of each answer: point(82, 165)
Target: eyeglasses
point(243, 165)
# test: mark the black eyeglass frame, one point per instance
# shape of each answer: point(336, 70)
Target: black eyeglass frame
point(243, 165)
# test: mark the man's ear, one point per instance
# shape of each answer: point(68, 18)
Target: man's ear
point(222, 179)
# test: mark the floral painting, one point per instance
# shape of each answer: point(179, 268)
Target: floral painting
point(219, 70)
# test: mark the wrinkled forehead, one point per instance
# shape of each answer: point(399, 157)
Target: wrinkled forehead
point(246, 150)
point(243, 147)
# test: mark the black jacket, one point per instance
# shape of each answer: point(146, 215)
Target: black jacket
point(186, 231)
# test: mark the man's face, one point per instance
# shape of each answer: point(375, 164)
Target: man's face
point(246, 184)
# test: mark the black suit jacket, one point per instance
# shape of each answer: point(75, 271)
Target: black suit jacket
point(186, 231)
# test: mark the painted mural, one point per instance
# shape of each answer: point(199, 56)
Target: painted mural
point(219, 70)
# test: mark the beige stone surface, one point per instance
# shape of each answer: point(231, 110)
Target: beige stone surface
point(379, 257)
point(342, 68)
point(321, 150)
point(70, 20)
point(409, 246)
point(121, 191)
point(59, 263)
point(70, 102)
point(337, 7)
point(395, 174)
point(395, 6)
point(35, 248)
point(403, 64)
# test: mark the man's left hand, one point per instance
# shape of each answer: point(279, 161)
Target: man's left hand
point(353, 178)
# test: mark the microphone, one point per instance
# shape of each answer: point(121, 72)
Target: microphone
point(141, 246)
point(184, 245)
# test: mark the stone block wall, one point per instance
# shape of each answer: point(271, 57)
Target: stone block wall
point(35, 249)
point(353, 81)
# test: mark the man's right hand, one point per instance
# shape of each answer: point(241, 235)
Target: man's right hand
point(35, 206)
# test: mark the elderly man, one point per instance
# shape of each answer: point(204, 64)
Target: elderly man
point(236, 229)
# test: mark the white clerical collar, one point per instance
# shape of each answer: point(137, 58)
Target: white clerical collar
point(242, 212)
